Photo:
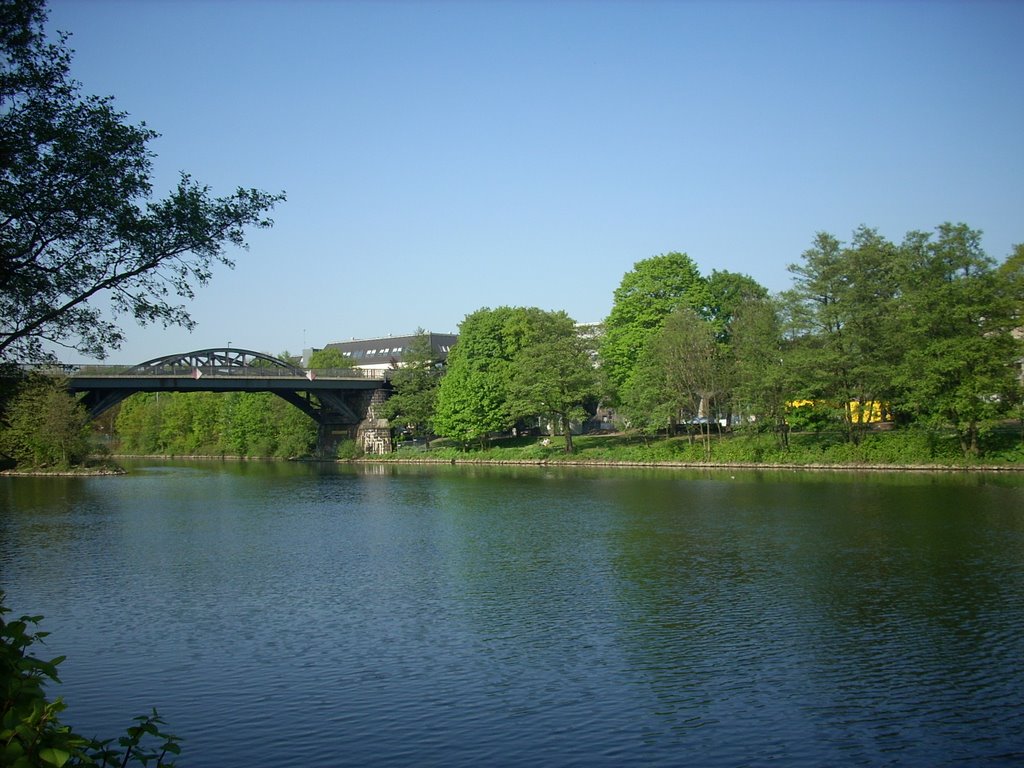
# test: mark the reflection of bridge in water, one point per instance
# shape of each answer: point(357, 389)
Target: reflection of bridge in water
point(340, 401)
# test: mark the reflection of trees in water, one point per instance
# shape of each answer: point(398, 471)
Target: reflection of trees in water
point(721, 617)
point(695, 616)
point(814, 609)
point(917, 599)
point(528, 571)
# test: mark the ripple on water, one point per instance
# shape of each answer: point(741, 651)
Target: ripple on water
point(335, 619)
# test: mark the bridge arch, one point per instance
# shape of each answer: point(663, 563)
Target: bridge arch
point(223, 359)
point(337, 402)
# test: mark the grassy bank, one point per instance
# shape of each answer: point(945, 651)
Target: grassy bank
point(99, 466)
point(902, 448)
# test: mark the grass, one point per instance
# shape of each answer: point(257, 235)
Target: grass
point(906, 447)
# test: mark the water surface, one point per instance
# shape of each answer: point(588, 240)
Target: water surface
point(299, 615)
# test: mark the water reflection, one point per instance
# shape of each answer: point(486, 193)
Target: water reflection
point(530, 615)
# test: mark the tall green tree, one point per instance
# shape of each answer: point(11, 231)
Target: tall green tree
point(683, 373)
point(958, 318)
point(45, 427)
point(329, 359)
point(762, 384)
point(729, 292)
point(79, 229)
point(841, 323)
point(643, 403)
point(415, 383)
point(553, 375)
point(648, 294)
point(1011, 276)
point(473, 399)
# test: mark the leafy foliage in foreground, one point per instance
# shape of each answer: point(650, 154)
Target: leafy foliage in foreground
point(31, 733)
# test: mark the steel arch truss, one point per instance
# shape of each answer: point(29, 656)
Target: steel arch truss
point(223, 361)
point(326, 401)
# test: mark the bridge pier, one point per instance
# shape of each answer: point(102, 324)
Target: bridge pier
point(329, 436)
point(344, 406)
point(372, 434)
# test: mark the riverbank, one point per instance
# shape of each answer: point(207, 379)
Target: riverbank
point(689, 465)
point(883, 451)
point(87, 471)
point(909, 451)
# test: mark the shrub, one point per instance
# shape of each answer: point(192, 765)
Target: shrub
point(348, 449)
point(31, 734)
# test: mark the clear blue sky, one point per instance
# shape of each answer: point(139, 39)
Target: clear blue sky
point(444, 156)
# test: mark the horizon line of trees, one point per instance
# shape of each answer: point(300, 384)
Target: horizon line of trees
point(926, 329)
point(924, 326)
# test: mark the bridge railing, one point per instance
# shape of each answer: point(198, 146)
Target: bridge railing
point(349, 373)
point(213, 371)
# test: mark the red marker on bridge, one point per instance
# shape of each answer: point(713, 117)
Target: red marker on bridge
point(196, 373)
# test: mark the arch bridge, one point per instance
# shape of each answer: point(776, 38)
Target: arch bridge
point(340, 401)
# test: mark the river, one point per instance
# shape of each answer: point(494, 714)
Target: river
point(317, 615)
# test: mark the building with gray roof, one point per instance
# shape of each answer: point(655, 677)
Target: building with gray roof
point(386, 352)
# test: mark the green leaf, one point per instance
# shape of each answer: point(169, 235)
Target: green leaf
point(54, 756)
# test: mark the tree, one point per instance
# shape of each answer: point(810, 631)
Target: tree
point(761, 383)
point(729, 292)
point(473, 399)
point(643, 401)
point(958, 314)
point(329, 359)
point(1011, 277)
point(78, 227)
point(553, 375)
point(681, 375)
point(295, 431)
point(649, 293)
point(414, 385)
point(840, 313)
point(45, 426)
point(197, 423)
point(138, 424)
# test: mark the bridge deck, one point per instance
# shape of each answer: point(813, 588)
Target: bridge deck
point(233, 382)
point(339, 397)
